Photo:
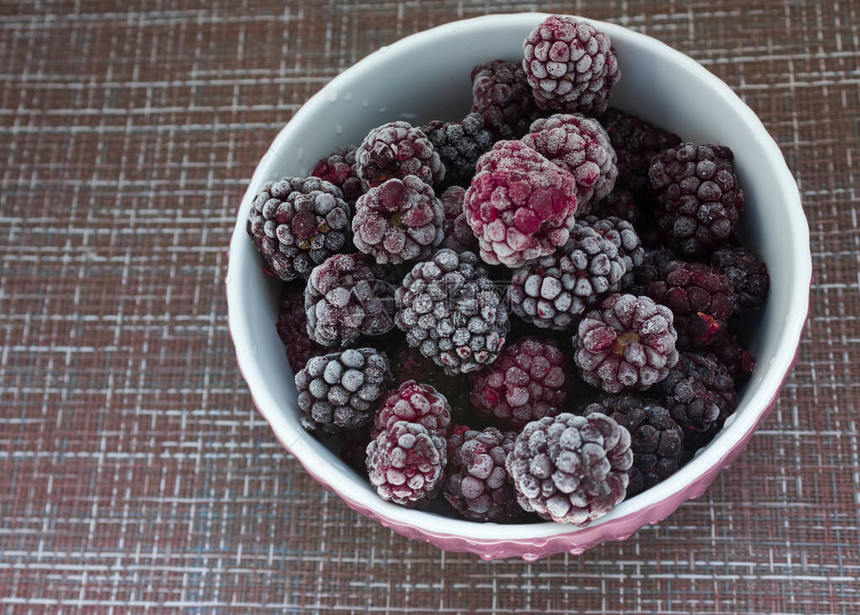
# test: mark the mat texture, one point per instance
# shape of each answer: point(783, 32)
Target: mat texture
point(135, 474)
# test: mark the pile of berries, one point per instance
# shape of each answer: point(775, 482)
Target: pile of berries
point(529, 311)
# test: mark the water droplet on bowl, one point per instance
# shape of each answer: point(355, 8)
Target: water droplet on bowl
point(383, 49)
point(383, 109)
point(331, 94)
point(348, 97)
point(408, 116)
point(338, 129)
point(365, 103)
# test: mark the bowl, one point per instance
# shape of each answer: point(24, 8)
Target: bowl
point(425, 77)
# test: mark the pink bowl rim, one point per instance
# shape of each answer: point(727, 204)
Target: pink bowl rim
point(532, 541)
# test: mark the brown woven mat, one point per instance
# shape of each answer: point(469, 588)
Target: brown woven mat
point(135, 474)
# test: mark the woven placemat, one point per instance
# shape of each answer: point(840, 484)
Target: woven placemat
point(135, 474)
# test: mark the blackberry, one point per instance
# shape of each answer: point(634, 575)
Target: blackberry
point(296, 223)
point(554, 290)
point(414, 403)
point(624, 237)
point(452, 202)
point(628, 342)
point(406, 464)
point(748, 275)
point(348, 296)
point(395, 150)
point(656, 440)
point(477, 484)
point(700, 298)
point(449, 309)
point(459, 145)
point(699, 199)
point(619, 203)
point(338, 168)
point(570, 66)
point(502, 96)
point(636, 142)
point(699, 392)
point(732, 352)
point(397, 221)
point(520, 205)
point(338, 391)
point(292, 328)
point(527, 382)
point(571, 469)
point(580, 145)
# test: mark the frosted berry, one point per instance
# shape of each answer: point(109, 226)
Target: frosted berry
point(406, 464)
point(340, 390)
point(338, 168)
point(619, 203)
point(477, 484)
point(416, 403)
point(570, 65)
point(292, 328)
point(732, 352)
point(397, 221)
point(297, 222)
point(451, 312)
point(571, 469)
point(699, 199)
point(699, 392)
point(348, 296)
point(656, 440)
point(580, 145)
point(628, 342)
point(527, 382)
point(748, 275)
point(519, 205)
point(553, 291)
point(452, 202)
point(459, 145)
point(624, 237)
point(503, 97)
point(395, 150)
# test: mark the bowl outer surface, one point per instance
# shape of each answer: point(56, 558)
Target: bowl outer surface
point(425, 77)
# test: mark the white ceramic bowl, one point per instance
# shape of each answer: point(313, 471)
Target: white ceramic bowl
point(426, 76)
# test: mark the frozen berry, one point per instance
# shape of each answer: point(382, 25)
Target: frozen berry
point(619, 203)
point(292, 328)
point(406, 464)
point(527, 382)
point(415, 403)
point(297, 222)
point(732, 352)
point(624, 237)
point(450, 310)
point(340, 390)
point(570, 65)
point(409, 364)
point(395, 150)
point(699, 392)
point(348, 296)
point(397, 221)
point(503, 97)
point(452, 202)
point(628, 342)
point(338, 168)
point(571, 469)
point(748, 275)
point(459, 145)
point(477, 484)
point(520, 205)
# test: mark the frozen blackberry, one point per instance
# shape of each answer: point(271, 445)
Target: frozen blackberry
point(395, 150)
point(503, 97)
point(449, 309)
point(747, 274)
point(452, 202)
point(624, 237)
point(571, 469)
point(619, 203)
point(477, 484)
point(570, 66)
point(340, 390)
point(580, 145)
point(415, 403)
point(732, 352)
point(636, 142)
point(555, 290)
point(348, 296)
point(628, 342)
point(701, 299)
point(459, 145)
point(527, 382)
point(397, 221)
point(656, 440)
point(292, 328)
point(520, 205)
point(699, 199)
point(406, 464)
point(338, 168)
point(699, 392)
point(296, 223)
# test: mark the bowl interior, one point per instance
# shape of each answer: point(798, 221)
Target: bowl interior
point(426, 77)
